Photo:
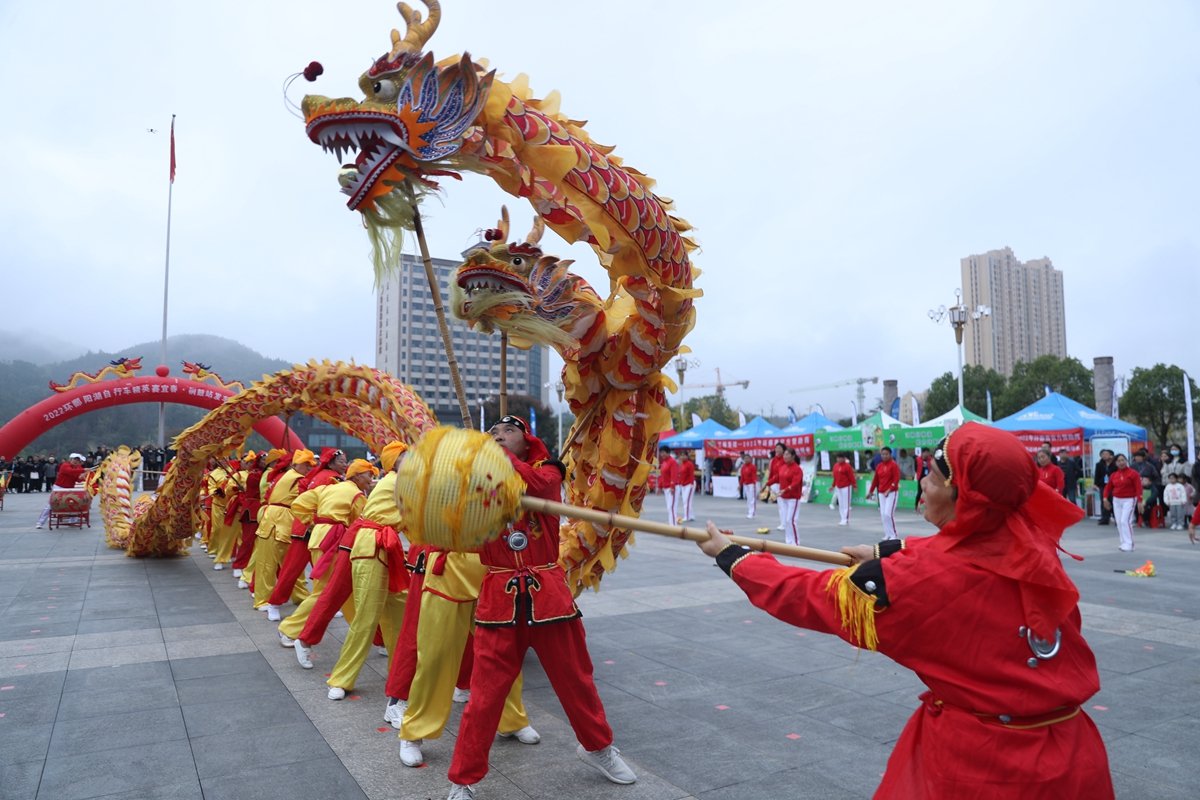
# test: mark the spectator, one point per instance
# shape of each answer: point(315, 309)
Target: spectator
point(1149, 501)
point(873, 464)
point(906, 464)
point(1147, 469)
point(868, 461)
point(51, 472)
point(1046, 447)
point(1072, 469)
point(1105, 467)
point(1174, 462)
point(1048, 472)
point(1176, 499)
point(920, 470)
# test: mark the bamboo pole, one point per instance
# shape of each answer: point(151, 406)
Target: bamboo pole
point(440, 311)
point(503, 373)
point(679, 531)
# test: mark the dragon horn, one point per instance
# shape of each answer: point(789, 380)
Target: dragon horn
point(502, 225)
point(539, 228)
point(416, 32)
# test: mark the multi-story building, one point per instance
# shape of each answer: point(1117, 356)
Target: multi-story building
point(408, 345)
point(1027, 317)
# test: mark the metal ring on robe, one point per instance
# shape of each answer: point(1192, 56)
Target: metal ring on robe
point(1042, 648)
point(517, 541)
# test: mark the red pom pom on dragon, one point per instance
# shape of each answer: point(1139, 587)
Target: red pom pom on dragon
point(421, 120)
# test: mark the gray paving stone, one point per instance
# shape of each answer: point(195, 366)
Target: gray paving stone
point(795, 784)
point(140, 697)
point(115, 731)
point(143, 770)
point(24, 743)
point(323, 777)
point(231, 752)
point(207, 719)
point(119, 678)
point(20, 781)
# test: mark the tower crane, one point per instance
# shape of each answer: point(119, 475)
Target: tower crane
point(861, 393)
point(719, 385)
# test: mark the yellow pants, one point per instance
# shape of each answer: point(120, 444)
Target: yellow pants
point(294, 623)
point(224, 536)
point(270, 553)
point(441, 640)
point(374, 606)
point(248, 572)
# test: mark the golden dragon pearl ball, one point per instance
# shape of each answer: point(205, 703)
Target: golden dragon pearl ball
point(457, 490)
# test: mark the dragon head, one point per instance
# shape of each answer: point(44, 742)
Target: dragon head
point(411, 121)
point(128, 364)
point(531, 296)
point(197, 369)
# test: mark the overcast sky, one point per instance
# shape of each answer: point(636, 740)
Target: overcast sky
point(836, 159)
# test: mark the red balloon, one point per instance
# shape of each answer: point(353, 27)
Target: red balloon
point(162, 370)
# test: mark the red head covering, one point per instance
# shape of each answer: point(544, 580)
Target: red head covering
point(537, 448)
point(1008, 522)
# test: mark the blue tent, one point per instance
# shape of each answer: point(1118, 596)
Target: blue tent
point(756, 428)
point(693, 438)
point(1056, 412)
point(811, 424)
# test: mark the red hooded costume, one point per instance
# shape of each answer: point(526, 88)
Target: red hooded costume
point(985, 615)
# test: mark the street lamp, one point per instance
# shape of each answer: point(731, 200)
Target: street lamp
point(958, 315)
point(558, 387)
point(682, 365)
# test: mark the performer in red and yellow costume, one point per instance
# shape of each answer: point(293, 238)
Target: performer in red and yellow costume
point(329, 509)
point(248, 504)
point(985, 615)
point(378, 576)
point(275, 528)
point(329, 469)
point(525, 602)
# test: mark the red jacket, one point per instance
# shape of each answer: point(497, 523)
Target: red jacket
point(1052, 476)
point(887, 477)
point(527, 586)
point(791, 481)
point(773, 470)
point(749, 473)
point(687, 472)
point(844, 475)
point(1126, 483)
point(68, 476)
point(668, 473)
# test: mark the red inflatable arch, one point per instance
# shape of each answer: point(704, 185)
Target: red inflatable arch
point(62, 406)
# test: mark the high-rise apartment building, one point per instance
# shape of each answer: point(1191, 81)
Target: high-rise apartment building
point(408, 345)
point(1028, 317)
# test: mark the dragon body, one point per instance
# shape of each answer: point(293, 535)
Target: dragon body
point(357, 400)
point(114, 481)
point(421, 120)
point(121, 368)
point(203, 373)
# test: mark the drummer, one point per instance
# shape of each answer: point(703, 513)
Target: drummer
point(69, 474)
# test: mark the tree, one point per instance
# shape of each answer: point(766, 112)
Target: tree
point(1066, 376)
point(977, 382)
point(711, 406)
point(1154, 397)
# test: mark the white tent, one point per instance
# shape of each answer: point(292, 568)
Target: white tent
point(958, 414)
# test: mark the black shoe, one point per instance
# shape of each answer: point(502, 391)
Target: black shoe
point(1102, 522)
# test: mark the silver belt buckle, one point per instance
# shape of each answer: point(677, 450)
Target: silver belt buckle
point(517, 541)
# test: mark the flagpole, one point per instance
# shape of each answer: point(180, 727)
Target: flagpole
point(162, 407)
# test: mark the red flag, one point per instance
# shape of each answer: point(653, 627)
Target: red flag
point(172, 148)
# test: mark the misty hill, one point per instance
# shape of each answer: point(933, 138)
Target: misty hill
point(23, 383)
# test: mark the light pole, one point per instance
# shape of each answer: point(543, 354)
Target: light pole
point(558, 387)
point(958, 315)
point(682, 365)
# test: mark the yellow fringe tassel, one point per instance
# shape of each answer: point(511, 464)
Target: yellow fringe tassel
point(856, 606)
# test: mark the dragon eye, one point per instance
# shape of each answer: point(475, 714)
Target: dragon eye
point(385, 91)
point(518, 261)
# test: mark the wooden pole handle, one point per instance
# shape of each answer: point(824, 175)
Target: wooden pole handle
point(679, 531)
point(503, 374)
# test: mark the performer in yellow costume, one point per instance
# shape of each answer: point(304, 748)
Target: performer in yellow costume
point(264, 482)
point(275, 531)
point(331, 509)
point(223, 536)
point(452, 582)
point(378, 576)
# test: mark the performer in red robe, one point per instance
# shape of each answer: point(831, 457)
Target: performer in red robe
point(985, 615)
point(525, 602)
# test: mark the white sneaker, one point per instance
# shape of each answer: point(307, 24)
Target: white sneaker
point(609, 762)
point(526, 735)
point(303, 653)
point(779, 528)
point(203, 546)
point(461, 695)
point(749, 516)
point(843, 523)
point(243, 585)
point(237, 573)
point(285, 641)
point(265, 608)
point(218, 566)
point(410, 753)
point(381, 650)
point(338, 615)
point(212, 553)
point(273, 613)
point(336, 693)
point(38, 528)
point(394, 713)
point(460, 792)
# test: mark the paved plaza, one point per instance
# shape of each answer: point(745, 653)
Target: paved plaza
point(156, 679)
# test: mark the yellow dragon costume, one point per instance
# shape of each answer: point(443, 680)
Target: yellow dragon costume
point(421, 120)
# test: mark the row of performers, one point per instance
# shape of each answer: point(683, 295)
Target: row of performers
point(983, 612)
point(456, 625)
